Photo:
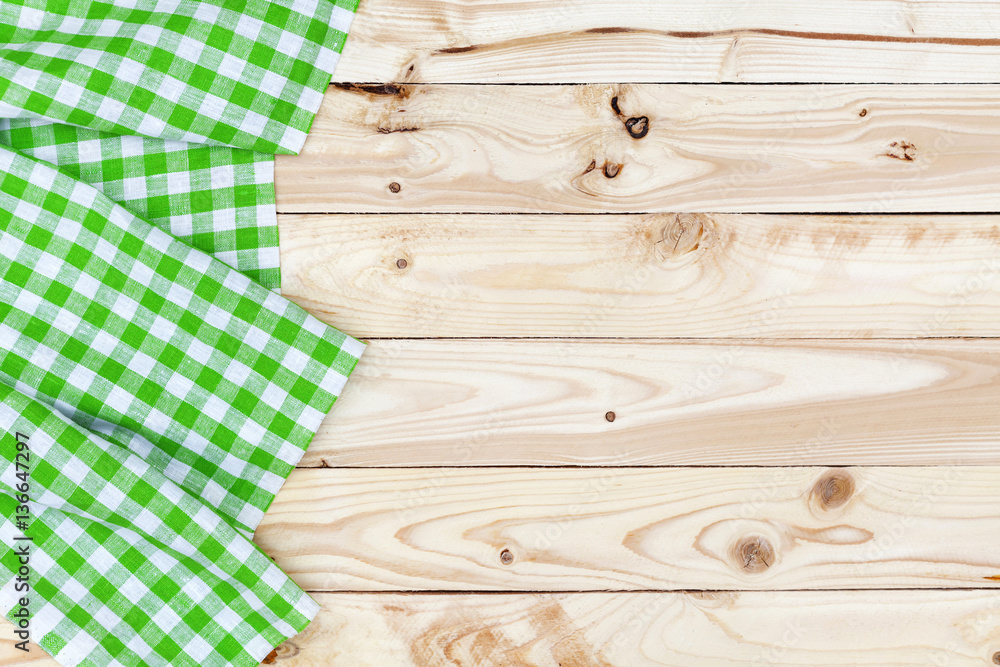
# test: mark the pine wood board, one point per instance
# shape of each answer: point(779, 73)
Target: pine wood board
point(564, 41)
point(565, 529)
point(547, 403)
point(723, 338)
point(877, 628)
point(647, 148)
point(656, 275)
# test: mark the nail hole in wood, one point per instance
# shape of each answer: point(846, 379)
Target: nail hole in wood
point(610, 416)
point(395, 187)
point(506, 557)
point(401, 263)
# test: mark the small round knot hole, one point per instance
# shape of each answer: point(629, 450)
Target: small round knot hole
point(506, 557)
point(637, 127)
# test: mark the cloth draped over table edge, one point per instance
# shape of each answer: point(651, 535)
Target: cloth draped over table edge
point(129, 359)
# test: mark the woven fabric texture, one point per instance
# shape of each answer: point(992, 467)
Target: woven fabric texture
point(155, 389)
point(173, 76)
point(217, 198)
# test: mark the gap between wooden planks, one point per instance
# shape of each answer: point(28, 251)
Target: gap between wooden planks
point(631, 148)
point(877, 628)
point(845, 41)
point(619, 528)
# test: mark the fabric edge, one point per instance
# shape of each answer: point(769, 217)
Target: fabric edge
point(303, 444)
point(309, 613)
point(330, 68)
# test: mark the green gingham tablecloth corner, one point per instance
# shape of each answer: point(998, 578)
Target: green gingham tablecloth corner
point(155, 389)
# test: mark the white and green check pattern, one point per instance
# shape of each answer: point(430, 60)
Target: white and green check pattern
point(217, 198)
point(244, 73)
point(128, 568)
point(129, 96)
point(163, 388)
point(203, 372)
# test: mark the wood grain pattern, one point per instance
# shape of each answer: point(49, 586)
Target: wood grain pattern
point(563, 41)
point(664, 155)
point(672, 275)
point(646, 629)
point(667, 148)
point(475, 402)
point(707, 317)
point(620, 528)
point(877, 628)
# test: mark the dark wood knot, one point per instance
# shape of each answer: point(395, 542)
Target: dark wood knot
point(753, 554)
point(683, 234)
point(283, 651)
point(833, 489)
point(637, 127)
point(902, 150)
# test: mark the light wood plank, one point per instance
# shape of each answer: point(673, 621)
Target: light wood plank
point(561, 41)
point(13, 657)
point(877, 628)
point(700, 148)
point(675, 275)
point(543, 529)
point(881, 628)
point(475, 402)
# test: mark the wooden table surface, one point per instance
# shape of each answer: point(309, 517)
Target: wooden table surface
point(685, 336)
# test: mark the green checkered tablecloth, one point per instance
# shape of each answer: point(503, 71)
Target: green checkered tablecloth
point(155, 389)
point(217, 198)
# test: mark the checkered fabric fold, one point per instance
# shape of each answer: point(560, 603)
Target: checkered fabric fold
point(155, 390)
point(128, 568)
point(217, 198)
point(244, 76)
